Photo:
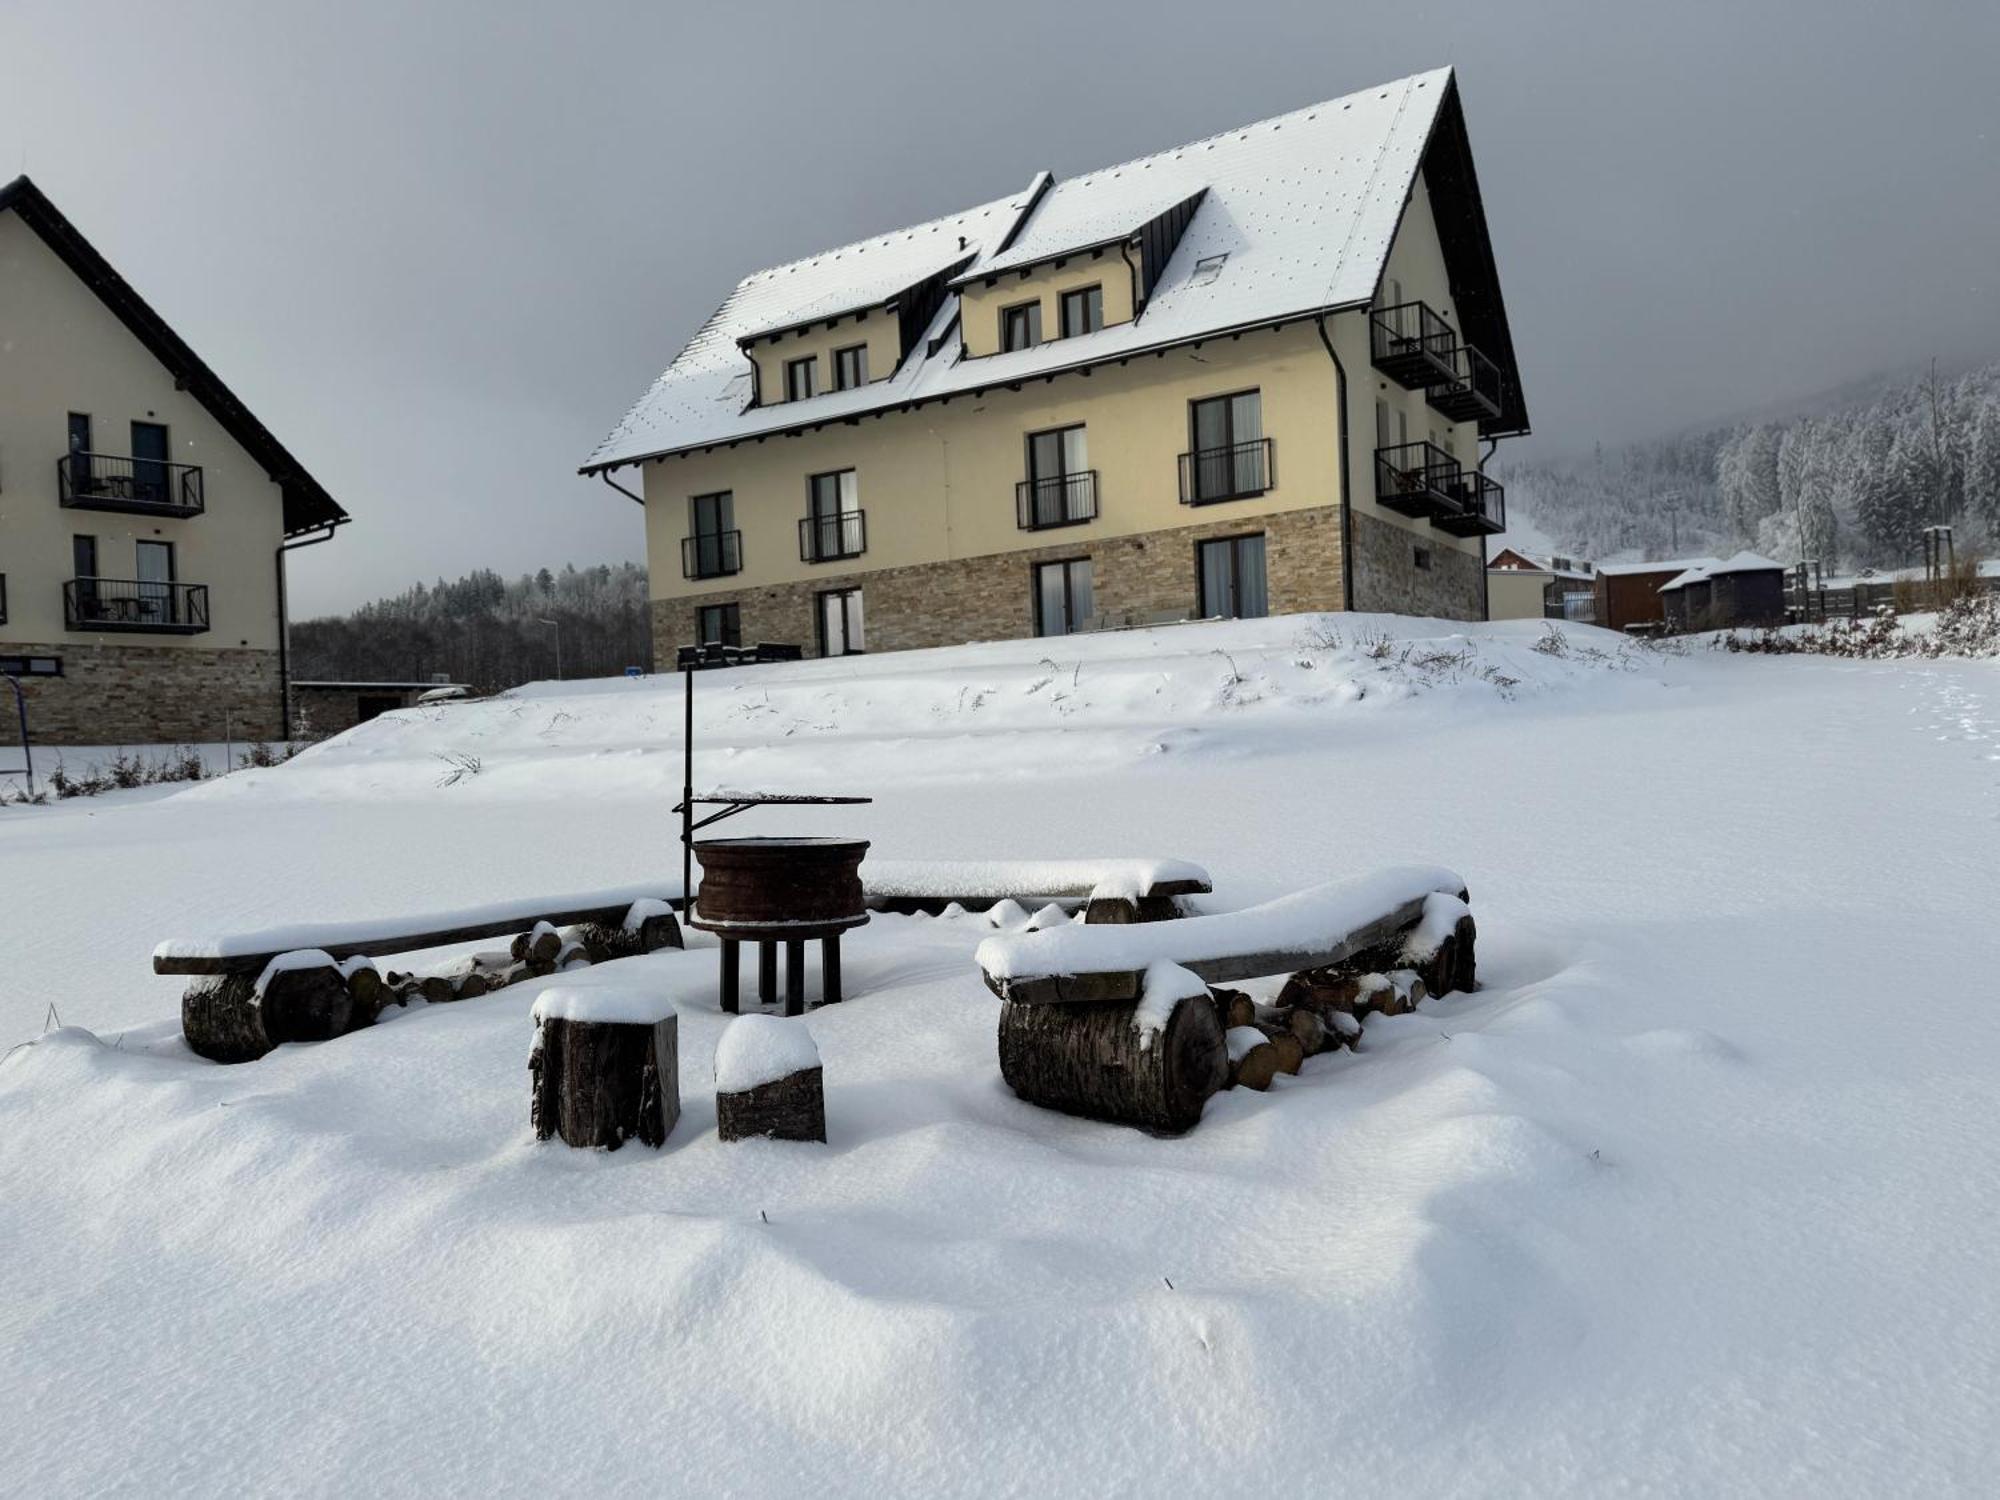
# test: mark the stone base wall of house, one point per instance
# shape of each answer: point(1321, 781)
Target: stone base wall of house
point(992, 598)
point(147, 695)
point(1387, 578)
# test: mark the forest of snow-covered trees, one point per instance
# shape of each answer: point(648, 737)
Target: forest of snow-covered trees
point(1854, 485)
point(486, 631)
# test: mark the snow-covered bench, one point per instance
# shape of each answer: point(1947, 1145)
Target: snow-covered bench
point(312, 981)
point(1111, 890)
point(1319, 926)
point(1118, 1023)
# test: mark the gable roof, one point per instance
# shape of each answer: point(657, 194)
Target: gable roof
point(1676, 565)
point(308, 507)
point(1742, 562)
point(1292, 217)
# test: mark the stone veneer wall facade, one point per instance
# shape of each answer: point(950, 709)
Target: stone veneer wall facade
point(992, 597)
point(146, 695)
point(1387, 578)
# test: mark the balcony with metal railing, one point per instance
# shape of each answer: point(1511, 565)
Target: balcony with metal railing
point(140, 486)
point(1473, 392)
point(1480, 509)
point(833, 538)
point(1237, 472)
point(135, 604)
point(1056, 500)
point(1411, 344)
point(711, 554)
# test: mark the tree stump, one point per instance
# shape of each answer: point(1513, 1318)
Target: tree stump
point(605, 1066)
point(1093, 1060)
point(301, 997)
point(768, 1081)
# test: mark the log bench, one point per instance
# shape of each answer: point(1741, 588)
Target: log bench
point(1118, 1023)
point(1111, 891)
point(317, 980)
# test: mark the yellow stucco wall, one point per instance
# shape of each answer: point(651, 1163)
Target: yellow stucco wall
point(980, 305)
point(938, 483)
point(879, 330)
point(63, 351)
point(1514, 593)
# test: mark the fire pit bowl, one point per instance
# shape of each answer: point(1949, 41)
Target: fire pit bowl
point(779, 888)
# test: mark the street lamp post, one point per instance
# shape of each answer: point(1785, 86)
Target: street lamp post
point(557, 628)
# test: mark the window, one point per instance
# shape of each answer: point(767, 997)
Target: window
point(801, 376)
point(718, 625)
point(1082, 311)
point(1422, 559)
point(1231, 575)
point(850, 367)
point(1208, 268)
point(1230, 458)
point(149, 463)
point(1062, 597)
point(713, 547)
point(1021, 326)
point(840, 631)
point(1392, 425)
point(156, 582)
point(1061, 488)
point(81, 478)
point(31, 666)
point(83, 556)
point(834, 525)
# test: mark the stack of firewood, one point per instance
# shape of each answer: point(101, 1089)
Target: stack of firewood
point(1319, 1010)
point(535, 954)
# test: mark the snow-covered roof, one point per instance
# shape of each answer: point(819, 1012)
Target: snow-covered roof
point(1304, 206)
point(1742, 562)
point(1088, 212)
point(1670, 565)
point(1537, 564)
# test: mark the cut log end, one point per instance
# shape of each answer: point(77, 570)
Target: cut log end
point(600, 1084)
point(1094, 1060)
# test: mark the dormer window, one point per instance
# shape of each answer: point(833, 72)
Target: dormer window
point(850, 367)
point(801, 378)
point(1082, 311)
point(1020, 326)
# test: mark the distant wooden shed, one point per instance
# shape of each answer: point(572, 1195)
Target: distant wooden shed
point(1628, 594)
point(330, 707)
point(1746, 590)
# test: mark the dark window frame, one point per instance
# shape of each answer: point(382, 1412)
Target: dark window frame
point(820, 597)
point(1202, 609)
point(1032, 311)
point(1227, 400)
point(840, 380)
point(27, 664)
point(1066, 299)
point(729, 618)
point(809, 363)
point(1069, 594)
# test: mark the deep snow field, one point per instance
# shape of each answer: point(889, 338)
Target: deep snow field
point(1699, 1194)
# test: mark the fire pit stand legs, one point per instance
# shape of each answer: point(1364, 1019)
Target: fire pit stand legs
point(767, 972)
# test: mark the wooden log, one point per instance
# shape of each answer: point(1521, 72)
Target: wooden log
point(1253, 1060)
point(1453, 966)
point(471, 986)
point(1092, 1060)
point(792, 1108)
point(369, 994)
point(240, 1017)
point(602, 1083)
point(437, 989)
point(1234, 1007)
point(1404, 992)
point(605, 941)
point(1306, 1025)
point(1121, 910)
point(1291, 1051)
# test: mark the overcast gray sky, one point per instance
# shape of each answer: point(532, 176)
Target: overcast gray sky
point(440, 247)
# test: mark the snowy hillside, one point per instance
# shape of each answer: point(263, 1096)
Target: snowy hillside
point(1694, 1195)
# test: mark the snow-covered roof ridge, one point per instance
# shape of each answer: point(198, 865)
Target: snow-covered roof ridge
point(1742, 562)
point(1298, 211)
point(1665, 565)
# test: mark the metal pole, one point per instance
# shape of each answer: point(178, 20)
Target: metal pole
point(687, 791)
point(557, 628)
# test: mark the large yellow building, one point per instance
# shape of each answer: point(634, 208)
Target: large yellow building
point(144, 512)
point(1256, 374)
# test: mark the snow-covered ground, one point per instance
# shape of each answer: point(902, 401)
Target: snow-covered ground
point(1696, 1195)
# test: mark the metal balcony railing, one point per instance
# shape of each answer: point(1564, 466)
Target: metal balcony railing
point(1056, 500)
point(135, 604)
point(150, 486)
point(832, 538)
point(1474, 390)
point(1233, 473)
point(711, 554)
point(1417, 479)
point(1479, 507)
point(1411, 344)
